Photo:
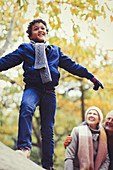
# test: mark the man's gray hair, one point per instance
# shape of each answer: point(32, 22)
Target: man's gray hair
point(109, 113)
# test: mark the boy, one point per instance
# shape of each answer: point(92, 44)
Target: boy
point(41, 75)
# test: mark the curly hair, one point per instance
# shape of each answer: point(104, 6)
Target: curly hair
point(32, 23)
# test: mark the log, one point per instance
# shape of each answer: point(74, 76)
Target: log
point(12, 160)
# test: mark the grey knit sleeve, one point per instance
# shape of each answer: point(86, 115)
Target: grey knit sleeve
point(71, 150)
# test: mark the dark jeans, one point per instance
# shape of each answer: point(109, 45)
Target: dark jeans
point(46, 100)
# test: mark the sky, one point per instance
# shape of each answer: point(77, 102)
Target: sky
point(105, 40)
point(104, 27)
point(106, 37)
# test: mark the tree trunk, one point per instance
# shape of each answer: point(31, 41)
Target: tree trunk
point(38, 144)
point(82, 101)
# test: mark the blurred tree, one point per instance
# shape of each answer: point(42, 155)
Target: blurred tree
point(11, 20)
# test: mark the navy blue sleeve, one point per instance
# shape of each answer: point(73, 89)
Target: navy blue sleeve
point(12, 59)
point(72, 67)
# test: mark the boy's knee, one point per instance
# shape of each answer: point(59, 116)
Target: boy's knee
point(26, 107)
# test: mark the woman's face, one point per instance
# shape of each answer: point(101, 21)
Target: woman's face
point(92, 118)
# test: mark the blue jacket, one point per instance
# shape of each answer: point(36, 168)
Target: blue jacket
point(25, 54)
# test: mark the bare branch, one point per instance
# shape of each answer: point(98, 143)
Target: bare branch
point(10, 80)
point(37, 136)
point(8, 38)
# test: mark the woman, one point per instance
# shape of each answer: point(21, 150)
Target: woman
point(88, 148)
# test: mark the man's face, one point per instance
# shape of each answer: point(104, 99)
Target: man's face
point(109, 123)
point(38, 32)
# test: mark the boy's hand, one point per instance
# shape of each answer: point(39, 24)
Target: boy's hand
point(67, 141)
point(96, 83)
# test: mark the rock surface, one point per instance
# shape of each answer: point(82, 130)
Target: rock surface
point(12, 160)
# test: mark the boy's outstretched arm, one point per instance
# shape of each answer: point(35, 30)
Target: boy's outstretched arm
point(76, 69)
point(12, 59)
point(96, 83)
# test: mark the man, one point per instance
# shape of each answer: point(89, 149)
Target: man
point(109, 130)
point(108, 126)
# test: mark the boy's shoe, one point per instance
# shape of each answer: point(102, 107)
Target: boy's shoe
point(26, 151)
point(51, 168)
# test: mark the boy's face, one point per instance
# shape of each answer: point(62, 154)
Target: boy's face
point(38, 32)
